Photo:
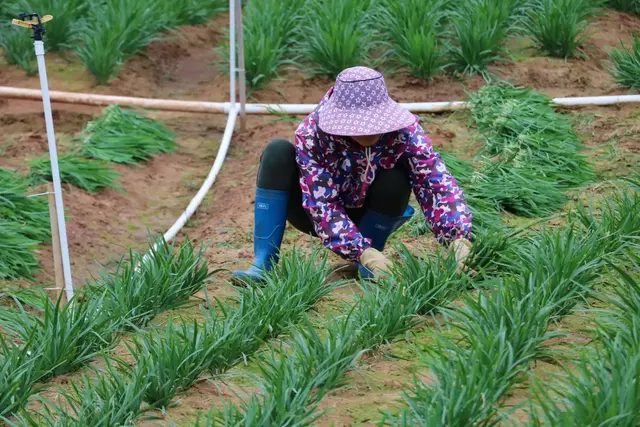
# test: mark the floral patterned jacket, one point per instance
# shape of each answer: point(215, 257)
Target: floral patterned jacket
point(336, 173)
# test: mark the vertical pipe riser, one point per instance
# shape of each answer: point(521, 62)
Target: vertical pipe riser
point(55, 170)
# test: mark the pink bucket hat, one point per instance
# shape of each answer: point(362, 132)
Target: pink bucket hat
point(360, 105)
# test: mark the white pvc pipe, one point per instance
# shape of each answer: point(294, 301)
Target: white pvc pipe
point(232, 51)
point(264, 109)
point(211, 178)
point(597, 100)
point(104, 100)
point(241, 65)
point(55, 170)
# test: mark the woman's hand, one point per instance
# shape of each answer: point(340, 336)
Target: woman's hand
point(375, 261)
point(462, 248)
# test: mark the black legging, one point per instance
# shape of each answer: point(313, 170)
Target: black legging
point(388, 195)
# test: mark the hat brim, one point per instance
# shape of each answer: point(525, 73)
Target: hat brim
point(379, 119)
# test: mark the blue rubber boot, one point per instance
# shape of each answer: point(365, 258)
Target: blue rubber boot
point(270, 213)
point(378, 228)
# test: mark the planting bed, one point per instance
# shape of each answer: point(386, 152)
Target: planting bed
point(358, 368)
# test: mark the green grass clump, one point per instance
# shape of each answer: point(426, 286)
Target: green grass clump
point(17, 257)
point(296, 376)
point(113, 397)
point(269, 34)
point(190, 12)
point(145, 285)
point(171, 360)
point(123, 136)
point(626, 64)
point(24, 223)
point(560, 27)
point(522, 191)
point(602, 386)
point(114, 31)
point(17, 375)
point(17, 47)
point(336, 35)
point(88, 174)
point(66, 336)
point(30, 213)
point(479, 29)
point(413, 29)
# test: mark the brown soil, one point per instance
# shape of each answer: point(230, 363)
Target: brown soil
point(185, 66)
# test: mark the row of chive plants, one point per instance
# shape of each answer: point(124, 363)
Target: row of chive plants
point(317, 363)
point(55, 339)
point(602, 386)
point(102, 33)
point(423, 37)
point(170, 359)
point(503, 328)
point(117, 136)
point(298, 376)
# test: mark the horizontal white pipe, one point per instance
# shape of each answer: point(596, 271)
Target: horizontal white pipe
point(265, 109)
point(211, 178)
point(597, 100)
point(104, 100)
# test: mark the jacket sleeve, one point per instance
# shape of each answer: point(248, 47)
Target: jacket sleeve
point(437, 191)
point(321, 199)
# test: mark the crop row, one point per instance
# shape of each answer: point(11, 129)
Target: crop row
point(500, 330)
point(61, 338)
point(102, 33)
point(504, 328)
point(602, 387)
point(423, 37)
point(170, 359)
point(324, 37)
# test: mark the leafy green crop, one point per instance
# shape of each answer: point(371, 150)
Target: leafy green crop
point(337, 35)
point(17, 258)
point(88, 174)
point(503, 329)
point(145, 285)
point(479, 27)
point(66, 336)
point(626, 64)
point(413, 29)
point(112, 398)
point(31, 214)
point(24, 223)
point(17, 47)
point(269, 36)
point(123, 136)
point(560, 27)
point(17, 374)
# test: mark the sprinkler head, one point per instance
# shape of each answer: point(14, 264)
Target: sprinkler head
point(34, 22)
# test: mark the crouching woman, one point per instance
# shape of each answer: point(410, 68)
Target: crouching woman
point(348, 179)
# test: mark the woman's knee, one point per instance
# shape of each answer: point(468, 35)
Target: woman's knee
point(278, 166)
point(390, 191)
point(279, 152)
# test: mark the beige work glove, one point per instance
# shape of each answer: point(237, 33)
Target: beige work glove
point(376, 262)
point(461, 248)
